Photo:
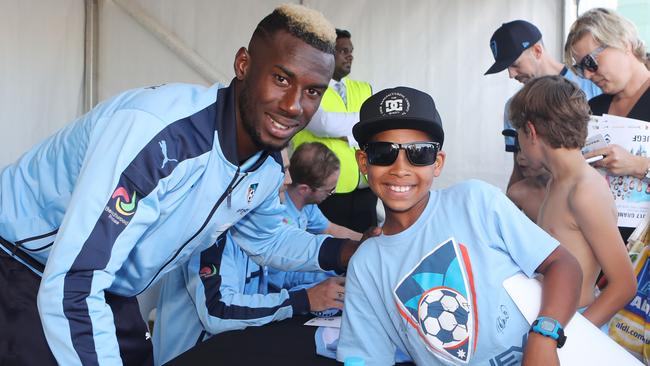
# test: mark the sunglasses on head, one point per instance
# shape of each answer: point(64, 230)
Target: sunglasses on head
point(589, 62)
point(385, 153)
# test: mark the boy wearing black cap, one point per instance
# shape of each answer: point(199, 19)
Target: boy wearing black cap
point(433, 279)
point(518, 47)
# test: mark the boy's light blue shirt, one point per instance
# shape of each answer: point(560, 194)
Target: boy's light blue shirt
point(468, 240)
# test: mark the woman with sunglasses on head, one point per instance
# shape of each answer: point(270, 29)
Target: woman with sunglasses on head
point(607, 50)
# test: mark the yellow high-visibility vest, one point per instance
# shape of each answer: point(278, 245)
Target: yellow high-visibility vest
point(356, 92)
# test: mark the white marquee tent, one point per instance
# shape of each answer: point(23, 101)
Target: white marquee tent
point(60, 57)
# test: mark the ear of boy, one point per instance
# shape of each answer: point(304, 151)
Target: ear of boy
point(362, 161)
point(440, 163)
point(532, 132)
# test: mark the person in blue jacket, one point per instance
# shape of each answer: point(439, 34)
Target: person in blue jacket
point(315, 170)
point(221, 289)
point(127, 192)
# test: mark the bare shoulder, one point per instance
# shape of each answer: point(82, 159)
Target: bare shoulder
point(516, 192)
point(590, 191)
point(519, 191)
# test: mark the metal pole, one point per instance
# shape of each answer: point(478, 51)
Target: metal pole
point(90, 54)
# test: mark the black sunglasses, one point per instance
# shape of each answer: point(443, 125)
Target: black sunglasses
point(588, 62)
point(385, 153)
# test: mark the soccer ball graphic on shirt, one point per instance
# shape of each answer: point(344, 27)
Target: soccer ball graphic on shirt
point(444, 317)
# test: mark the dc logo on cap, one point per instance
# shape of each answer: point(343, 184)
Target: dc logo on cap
point(493, 47)
point(393, 104)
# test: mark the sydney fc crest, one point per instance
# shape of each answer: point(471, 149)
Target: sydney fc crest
point(251, 192)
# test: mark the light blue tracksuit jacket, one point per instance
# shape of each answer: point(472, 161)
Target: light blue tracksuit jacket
point(220, 289)
point(126, 193)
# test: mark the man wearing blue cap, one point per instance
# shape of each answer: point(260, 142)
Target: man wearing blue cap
point(518, 47)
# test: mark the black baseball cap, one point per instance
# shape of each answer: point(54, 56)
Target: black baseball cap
point(398, 108)
point(509, 41)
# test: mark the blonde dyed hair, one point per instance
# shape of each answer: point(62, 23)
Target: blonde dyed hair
point(309, 20)
point(608, 28)
point(302, 22)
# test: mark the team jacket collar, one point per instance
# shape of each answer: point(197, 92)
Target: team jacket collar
point(226, 126)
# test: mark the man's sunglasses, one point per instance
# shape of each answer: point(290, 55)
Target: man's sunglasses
point(589, 62)
point(385, 153)
point(329, 191)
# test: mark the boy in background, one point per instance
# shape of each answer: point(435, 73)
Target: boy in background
point(551, 114)
point(529, 192)
point(431, 284)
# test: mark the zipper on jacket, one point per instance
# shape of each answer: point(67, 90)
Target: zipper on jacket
point(233, 183)
point(232, 188)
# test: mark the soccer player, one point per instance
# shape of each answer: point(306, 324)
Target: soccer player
point(129, 191)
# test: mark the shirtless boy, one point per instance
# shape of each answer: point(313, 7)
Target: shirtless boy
point(550, 115)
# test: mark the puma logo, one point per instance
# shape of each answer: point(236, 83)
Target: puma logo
point(163, 147)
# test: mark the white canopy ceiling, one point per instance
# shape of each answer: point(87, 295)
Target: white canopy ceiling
point(440, 46)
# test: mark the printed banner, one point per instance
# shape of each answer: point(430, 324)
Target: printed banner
point(630, 327)
point(632, 195)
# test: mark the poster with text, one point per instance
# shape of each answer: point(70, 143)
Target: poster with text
point(631, 194)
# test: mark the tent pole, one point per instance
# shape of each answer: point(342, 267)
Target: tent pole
point(90, 54)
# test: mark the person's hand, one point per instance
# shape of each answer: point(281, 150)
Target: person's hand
point(327, 295)
point(540, 351)
point(372, 231)
point(619, 161)
point(350, 246)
